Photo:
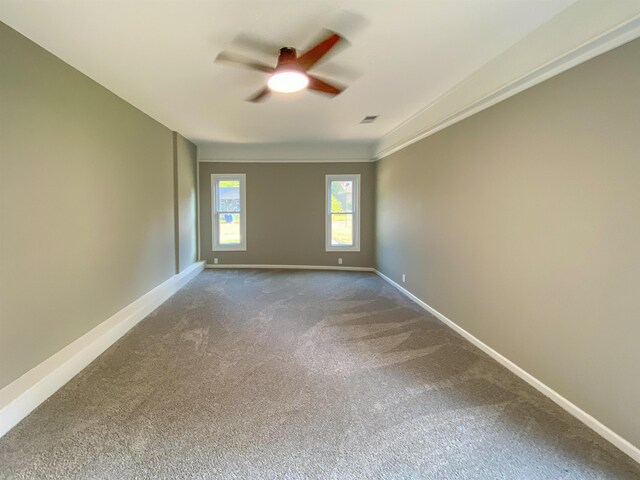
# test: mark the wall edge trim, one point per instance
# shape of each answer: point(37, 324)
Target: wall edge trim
point(613, 38)
point(26, 393)
point(591, 422)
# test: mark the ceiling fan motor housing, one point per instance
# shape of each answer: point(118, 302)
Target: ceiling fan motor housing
point(290, 74)
point(288, 59)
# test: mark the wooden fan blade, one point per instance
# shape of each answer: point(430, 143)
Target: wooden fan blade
point(242, 61)
point(335, 70)
point(260, 96)
point(256, 45)
point(313, 55)
point(321, 86)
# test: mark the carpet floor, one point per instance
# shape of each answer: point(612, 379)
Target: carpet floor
point(301, 374)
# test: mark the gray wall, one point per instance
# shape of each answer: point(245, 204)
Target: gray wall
point(86, 204)
point(185, 169)
point(522, 225)
point(285, 213)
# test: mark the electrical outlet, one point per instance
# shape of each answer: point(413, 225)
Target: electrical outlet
point(215, 261)
point(404, 278)
point(340, 261)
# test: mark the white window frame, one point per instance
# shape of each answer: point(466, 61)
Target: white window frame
point(215, 241)
point(355, 178)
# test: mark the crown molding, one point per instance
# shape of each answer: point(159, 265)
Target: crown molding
point(285, 152)
point(287, 160)
point(434, 115)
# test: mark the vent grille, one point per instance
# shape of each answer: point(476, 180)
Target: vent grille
point(369, 119)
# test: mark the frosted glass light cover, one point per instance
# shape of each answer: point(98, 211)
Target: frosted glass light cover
point(288, 82)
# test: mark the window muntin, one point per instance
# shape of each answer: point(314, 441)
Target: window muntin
point(228, 212)
point(342, 215)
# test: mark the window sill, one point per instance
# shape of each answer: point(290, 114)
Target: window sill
point(342, 249)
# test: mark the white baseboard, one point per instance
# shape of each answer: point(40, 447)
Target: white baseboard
point(23, 395)
point(604, 431)
point(293, 267)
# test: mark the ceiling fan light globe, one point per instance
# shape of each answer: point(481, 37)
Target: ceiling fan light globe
point(288, 81)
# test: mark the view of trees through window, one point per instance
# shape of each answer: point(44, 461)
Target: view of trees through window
point(229, 212)
point(341, 213)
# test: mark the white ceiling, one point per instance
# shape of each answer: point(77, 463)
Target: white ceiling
point(158, 55)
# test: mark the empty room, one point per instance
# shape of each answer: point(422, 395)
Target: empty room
point(320, 239)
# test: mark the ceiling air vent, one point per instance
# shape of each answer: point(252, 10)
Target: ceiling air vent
point(369, 119)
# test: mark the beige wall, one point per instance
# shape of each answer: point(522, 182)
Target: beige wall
point(522, 225)
point(86, 204)
point(285, 213)
point(185, 165)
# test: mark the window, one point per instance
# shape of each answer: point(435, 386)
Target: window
point(228, 212)
point(343, 213)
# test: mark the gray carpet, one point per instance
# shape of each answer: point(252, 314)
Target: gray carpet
point(301, 374)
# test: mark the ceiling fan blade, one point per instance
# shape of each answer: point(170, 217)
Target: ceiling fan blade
point(260, 96)
point(321, 86)
point(313, 55)
point(242, 61)
point(334, 70)
point(256, 45)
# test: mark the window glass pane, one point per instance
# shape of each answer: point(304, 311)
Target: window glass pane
point(228, 195)
point(341, 229)
point(341, 196)
point(229, 228)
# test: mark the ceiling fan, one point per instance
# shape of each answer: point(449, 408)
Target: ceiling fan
point(291, 73)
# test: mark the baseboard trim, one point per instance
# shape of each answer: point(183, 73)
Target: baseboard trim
point(23, 395)
point(292, 267)
point(601, 429)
